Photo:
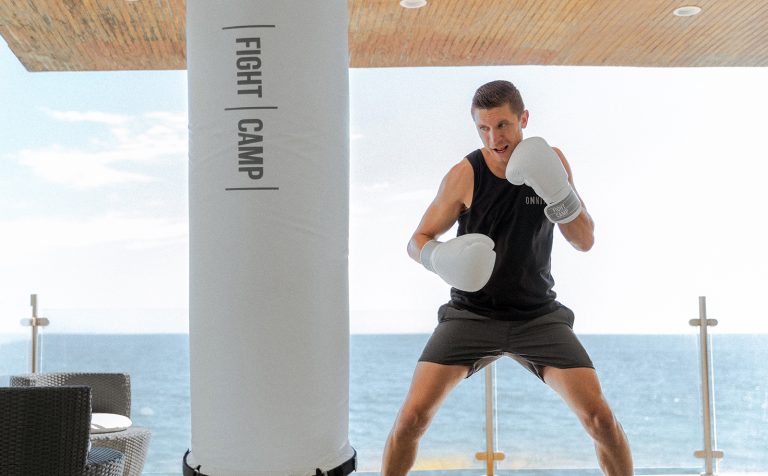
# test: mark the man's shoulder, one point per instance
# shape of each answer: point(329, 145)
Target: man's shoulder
point(461, 171)
point(468, 162)
point(476, 154)
point(459, 182)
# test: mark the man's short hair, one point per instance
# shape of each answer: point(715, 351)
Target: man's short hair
point(496, 94)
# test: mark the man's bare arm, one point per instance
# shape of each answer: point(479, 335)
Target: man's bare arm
point(451, 200)
point(579, 232)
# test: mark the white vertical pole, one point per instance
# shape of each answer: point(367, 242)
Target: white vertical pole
point(490, 456)
point(709, 454)
point(33, 302)
point(489, 420)
point(34, 322)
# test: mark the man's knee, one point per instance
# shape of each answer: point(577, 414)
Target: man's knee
point(411, 424)
point(600, 423)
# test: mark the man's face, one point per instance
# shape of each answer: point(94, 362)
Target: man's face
point(500, 130)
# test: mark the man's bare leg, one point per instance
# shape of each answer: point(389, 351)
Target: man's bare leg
point(430, 385)
point(581, 390)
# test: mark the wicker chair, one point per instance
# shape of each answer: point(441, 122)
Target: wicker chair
point(111, 393)
point(44, 431)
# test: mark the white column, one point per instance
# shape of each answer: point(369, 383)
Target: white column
point(268, 213)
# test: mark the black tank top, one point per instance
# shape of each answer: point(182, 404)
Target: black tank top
point(513, 216)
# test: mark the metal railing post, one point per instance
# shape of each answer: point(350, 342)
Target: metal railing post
point(489, 455)
point(709, 454)
point(35, 322)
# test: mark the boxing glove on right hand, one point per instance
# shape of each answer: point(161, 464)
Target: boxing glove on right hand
point(465, 262)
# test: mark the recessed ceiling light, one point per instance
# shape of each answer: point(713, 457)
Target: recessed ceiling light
point(412, 3)
point(688, 11)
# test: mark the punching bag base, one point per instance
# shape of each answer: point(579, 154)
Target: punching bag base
point(344, 469)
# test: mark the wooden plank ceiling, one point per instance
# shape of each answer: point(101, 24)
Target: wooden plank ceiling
point(88, 35)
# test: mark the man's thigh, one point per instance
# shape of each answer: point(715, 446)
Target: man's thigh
point(579, 387)
point(430, 385)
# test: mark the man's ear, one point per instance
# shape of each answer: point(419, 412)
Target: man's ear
point(524, 119)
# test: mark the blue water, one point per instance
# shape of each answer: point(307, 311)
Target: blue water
point(650, 381)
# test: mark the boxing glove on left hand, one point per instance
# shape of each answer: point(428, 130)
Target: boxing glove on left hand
point(465, 262)
point(536, 164)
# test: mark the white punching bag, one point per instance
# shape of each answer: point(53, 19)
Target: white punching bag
point(268, 217)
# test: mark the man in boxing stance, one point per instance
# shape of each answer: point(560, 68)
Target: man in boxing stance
point(506, 197)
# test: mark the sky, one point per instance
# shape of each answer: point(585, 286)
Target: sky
point(669, 161)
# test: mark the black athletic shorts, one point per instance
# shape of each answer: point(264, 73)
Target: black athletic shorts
point(465, 338)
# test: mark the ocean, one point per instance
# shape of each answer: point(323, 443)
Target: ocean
point(651, 382)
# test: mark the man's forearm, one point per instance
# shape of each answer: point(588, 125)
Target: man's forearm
point(415, 245)
point(580, 232)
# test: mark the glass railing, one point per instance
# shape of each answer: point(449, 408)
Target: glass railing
point(16, 344)
point(651, 381)
point(15, 354)
point(381, 367)
point(740, 364)
point(158, 365)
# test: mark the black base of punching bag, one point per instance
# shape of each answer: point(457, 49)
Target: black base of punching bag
point(342, 470)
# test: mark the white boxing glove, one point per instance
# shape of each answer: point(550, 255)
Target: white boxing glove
point(465, 262)
point(536, 164)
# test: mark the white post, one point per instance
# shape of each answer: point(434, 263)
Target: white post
point(489, 455)
point(34, 322)
point(709, 454)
